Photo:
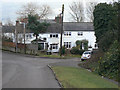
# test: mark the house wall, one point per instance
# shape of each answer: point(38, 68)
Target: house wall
point(88, 35)
point(52, 40)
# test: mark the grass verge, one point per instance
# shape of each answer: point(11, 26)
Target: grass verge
point(80, 78)
point(58, 56)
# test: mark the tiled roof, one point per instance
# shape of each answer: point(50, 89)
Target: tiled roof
point(78, 26)
point(54, 27)
point(8, 29)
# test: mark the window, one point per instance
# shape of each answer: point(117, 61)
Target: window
point(50, 35)
point(44, 39)
point(80, 33)
point(54, 35)
point(67, 33)
point(67, 44)
point(30, 35)
point(54, 46)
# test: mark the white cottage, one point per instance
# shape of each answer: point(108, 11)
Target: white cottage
point(72, 31)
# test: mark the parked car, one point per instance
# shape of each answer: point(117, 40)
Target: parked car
point(86, 55)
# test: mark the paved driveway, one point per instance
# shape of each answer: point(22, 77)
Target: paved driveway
point(21, 71)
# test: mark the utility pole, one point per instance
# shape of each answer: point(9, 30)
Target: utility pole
point(16, 36)
point(61, 29)
point(24, 39)
point(24, 21)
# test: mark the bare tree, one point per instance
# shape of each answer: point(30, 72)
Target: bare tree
point(8, 22)
point(34, 9)
point(89, 10)
point(77, 11)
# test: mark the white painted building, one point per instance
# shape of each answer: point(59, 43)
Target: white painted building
point(73, 31)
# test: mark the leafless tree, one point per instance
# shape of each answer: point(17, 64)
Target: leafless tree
point(89, 10)
point(8, 22)
point(77, 11)
point(34, 9)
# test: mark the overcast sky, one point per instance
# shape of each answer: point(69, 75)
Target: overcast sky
point(8, 8)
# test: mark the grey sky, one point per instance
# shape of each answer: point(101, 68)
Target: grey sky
point(9, 7)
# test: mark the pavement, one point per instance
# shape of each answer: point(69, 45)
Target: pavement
point(23, 71)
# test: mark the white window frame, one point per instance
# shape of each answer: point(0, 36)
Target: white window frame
point(67, 45)
point(80, 33)
point(67, 34)
point(54, 46)
point(51, 35)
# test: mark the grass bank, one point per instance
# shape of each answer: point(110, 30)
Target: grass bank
point(80, 78)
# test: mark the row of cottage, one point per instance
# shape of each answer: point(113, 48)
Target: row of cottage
point(73, 31)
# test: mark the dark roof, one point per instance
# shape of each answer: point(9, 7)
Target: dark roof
point(8, 29)
point(47, 20)
point(78, 26)
point(54, 27)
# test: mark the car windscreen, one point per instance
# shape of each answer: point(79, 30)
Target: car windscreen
point(87, 53)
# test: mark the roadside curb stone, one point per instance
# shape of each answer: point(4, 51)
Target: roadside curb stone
point(55, 76)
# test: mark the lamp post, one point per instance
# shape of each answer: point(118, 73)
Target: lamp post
point(61, 29)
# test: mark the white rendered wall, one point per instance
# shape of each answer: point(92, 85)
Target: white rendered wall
point(86, 35)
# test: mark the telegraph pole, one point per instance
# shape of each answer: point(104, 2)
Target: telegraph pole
point(24, 21)
point(24, 39)
point(16, 39)
point(61, 29)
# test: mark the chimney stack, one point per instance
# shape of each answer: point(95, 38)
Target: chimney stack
point(17, 23)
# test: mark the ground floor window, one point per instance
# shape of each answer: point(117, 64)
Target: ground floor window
point(53, 46)
point(67, 44)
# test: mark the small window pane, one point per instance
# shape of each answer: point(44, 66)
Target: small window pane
point(56, 35)
point(51, 35)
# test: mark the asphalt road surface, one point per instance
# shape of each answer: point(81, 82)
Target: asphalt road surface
point(21, 71)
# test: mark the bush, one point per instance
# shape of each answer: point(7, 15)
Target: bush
point(80, 43)
point(63, 51)
point(108, 66)
point(75, 50)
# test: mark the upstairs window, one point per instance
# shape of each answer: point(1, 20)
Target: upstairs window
point(50, 35)
point(53, 35)
point(80, 33)
point(67, 33)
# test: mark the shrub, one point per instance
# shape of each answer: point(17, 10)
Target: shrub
point(80, 43)
point(63, 51)
point(108, 66)
point(75, 50)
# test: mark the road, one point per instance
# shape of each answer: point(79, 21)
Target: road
point(21, 71)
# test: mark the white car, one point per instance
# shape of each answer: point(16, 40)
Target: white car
point(86, 55)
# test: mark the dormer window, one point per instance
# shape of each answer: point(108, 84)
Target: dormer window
point(80, 33)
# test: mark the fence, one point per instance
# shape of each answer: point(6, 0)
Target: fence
point(11, 46)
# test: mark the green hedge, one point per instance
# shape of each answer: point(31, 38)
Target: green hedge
point(75, 50)
point(108, 65)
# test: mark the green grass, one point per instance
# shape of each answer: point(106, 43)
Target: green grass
point(58, 56)
point(80, 78)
